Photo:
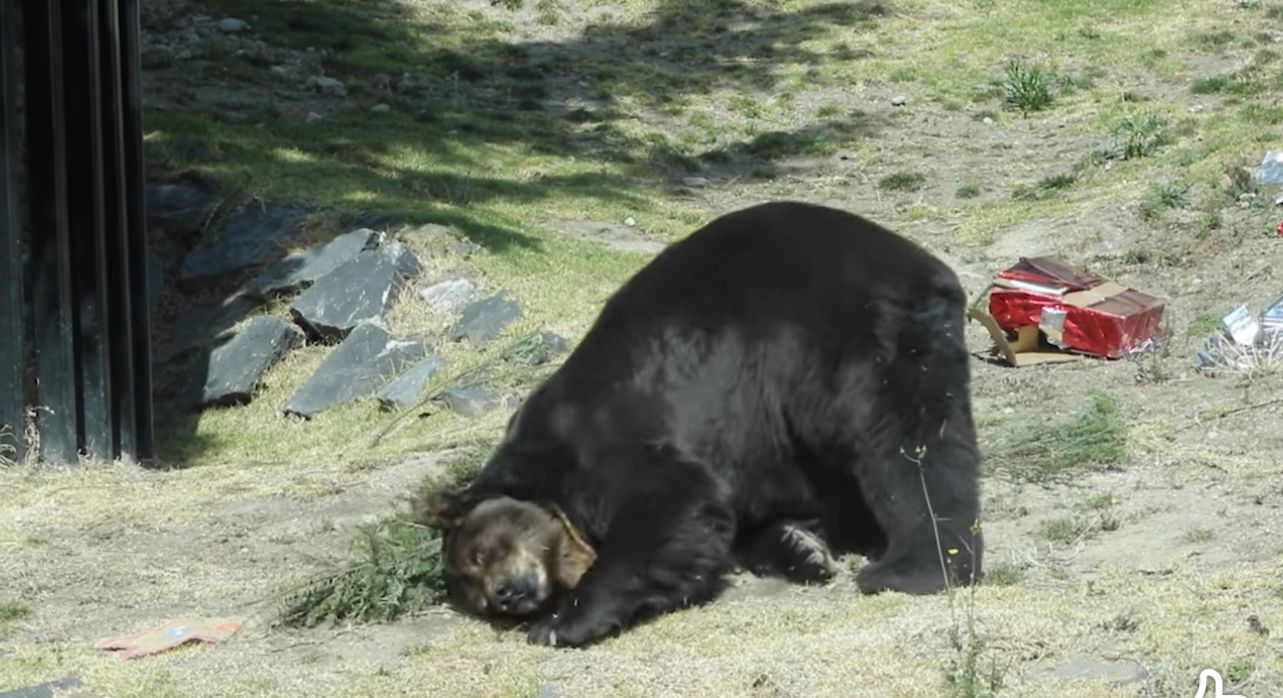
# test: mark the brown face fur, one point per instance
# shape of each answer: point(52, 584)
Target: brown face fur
point(508, 557)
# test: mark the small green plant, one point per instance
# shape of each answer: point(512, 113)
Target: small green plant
point(1198, 535)
point(1274, 12)
point(1064, 529)
point(11, 611)
point(1043, 451)
point(1137, 255)
point(1140, 135)
point(1044, 188)
point(1101, 502)
point(967, 191)
point(1089, 33)
point(1238, 670)
point(1026, 87)
point(902, 181)
point(828, 110)
point(1203, 325)
point(1162, 197)
point(1214, 41)
point(1004, 574)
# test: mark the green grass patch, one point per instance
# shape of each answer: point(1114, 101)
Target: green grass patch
point(1203, 325)
point(1044, 188)
point(902, 181)
point(1044, 451)
point(1026, 87)
point(1140, 135)
point(1161, 197)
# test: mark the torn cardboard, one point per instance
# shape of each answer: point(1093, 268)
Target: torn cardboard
point(1041, 310)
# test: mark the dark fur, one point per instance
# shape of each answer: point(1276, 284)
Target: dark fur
point(787, 362)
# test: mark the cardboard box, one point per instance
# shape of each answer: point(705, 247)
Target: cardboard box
point(1042, 310)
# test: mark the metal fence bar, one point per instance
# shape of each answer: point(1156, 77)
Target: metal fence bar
point(53, 314)
point(74, 328)
point(12, 323)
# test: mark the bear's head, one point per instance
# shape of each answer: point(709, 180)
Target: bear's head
point(504, 556)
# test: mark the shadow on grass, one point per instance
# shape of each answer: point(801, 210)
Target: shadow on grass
point(474, 119)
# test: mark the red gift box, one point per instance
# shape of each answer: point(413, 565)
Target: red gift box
point(1072, 309)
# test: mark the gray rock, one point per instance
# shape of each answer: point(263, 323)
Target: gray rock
point(45, 690)
point(190, 149)
point(327, 86)
point(1078, 666)
point(380, 108)
point(483, 320)
point(231, 25)
point(155, 279)
point(155, 56)
point(236, 366)
point(550, 690)
point(179, 208)
point(231, 101)
point(405, 389)
point(550, 346)
point(695, 181)
point(304, 268)
point(450, 296)
point(899, 100)
point(363, 288)
point(206, 326)
point(312, 117)
point(250, 237)
point(469, 401)
point(464, 248)
point(356, 368)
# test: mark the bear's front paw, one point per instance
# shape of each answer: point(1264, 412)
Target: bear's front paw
point(569, 627)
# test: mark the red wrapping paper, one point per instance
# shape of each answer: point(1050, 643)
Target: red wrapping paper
point(1110, 326)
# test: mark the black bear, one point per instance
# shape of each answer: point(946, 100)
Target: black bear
point(788, 380)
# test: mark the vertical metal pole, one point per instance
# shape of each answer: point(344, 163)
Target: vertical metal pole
point(53, 316)
point(136, 224)
point(84, 168)
point(120, 266)
point(12, 304)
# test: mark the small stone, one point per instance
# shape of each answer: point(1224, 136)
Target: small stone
point(630, 221)
point(327, 86)
point(380, 109)
point(252, 236)
point(204, 327)
point(470, 401)
point(304, 268)
point(1079, 666)
point(155, 56)
point(46, 690)
point(190, 149)
point(544, 347)
point(356, 368)
point(231, 25)
point(695, 181)
point(988, 121)
point(404, 391)
point(449, 297)
point(312, 117)
point(550, 690)
point(899, 100)
point(483, 320)
point(179, 208)
point(361, 289)
point(464, 248)
point(236, 366)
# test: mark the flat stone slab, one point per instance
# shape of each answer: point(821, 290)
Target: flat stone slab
point(180, 208)
point(251, 237)
point(356, 368)
point(469, 401)
point(236, 366)
point(359, 290)
point(449, 297)
point(304, 268)
point(204, 327)
point(52, 689)
point(404, 390)
point(483, 320)
point(1120, 672)
point(542, 348)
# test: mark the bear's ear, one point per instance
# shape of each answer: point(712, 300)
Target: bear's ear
point(442, 510)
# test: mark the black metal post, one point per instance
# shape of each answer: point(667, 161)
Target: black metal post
point(12, 322)
point(76, 172)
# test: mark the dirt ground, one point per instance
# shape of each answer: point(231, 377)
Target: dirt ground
point(1180, 572)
